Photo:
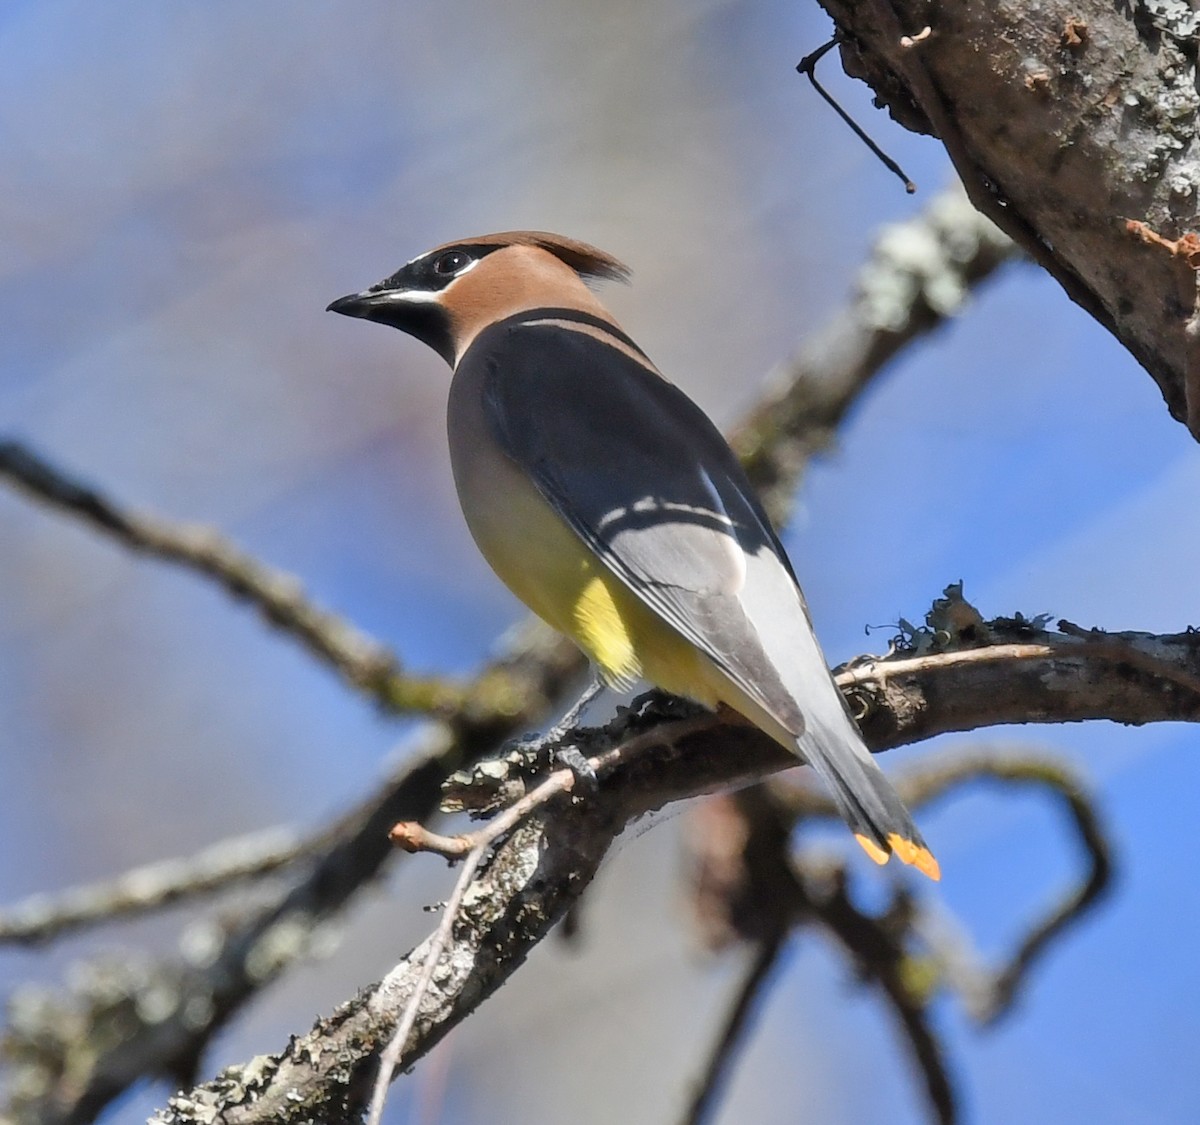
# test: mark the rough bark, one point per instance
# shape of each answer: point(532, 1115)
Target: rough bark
point(1004, 671)
point(1073, 125)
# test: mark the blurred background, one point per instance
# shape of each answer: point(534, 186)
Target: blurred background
point(184, 188)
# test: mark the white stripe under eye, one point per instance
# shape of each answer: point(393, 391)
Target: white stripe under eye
point(408, 296)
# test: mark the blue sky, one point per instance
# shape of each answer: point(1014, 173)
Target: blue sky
point(185, 189)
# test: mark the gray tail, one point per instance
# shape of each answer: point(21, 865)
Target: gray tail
point(865, 798)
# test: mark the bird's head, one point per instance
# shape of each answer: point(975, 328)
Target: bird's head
point(447, 295)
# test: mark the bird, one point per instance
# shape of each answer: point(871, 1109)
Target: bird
point(612, 506)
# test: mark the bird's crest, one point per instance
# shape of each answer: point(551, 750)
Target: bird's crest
point(585, 260)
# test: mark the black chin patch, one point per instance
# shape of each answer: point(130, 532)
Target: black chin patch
point(431, 325)
point(424, 320)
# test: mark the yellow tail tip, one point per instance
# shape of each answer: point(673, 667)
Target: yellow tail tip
point(872, 849)
point(915, 856)
point(908, 852)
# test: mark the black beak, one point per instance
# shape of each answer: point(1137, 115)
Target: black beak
point(413, 311)
point(355, 304)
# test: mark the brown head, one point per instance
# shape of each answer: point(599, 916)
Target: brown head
point(447, 295)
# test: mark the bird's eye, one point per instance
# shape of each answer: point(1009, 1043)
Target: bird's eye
point(449, 263)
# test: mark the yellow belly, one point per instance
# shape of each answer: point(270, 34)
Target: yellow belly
point(551, 569)
point(557, 576)
point(627, 639)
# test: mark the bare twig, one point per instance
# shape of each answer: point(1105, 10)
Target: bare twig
point(990, 993)
point(151, 887)
point(878, 948)
point(476, 845)
point(390, 1058)
point(279, 597)
point(720, 1060)
point(412, 837)
point(919, 275)
point(808, 66)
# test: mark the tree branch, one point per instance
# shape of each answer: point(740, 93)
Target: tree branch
point(279, 597)
point(879, 949)
point(538, 872)
point(151, 887)
point(720, 1061)
point(899, 300)
point(989, 993)
point(76, 1056)
point(919, 274)
point(1065, 122)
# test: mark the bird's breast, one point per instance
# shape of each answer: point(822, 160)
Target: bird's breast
point(541, 560)
point(551, 569)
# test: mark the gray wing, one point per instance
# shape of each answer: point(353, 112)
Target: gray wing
point(645, 479)
point(648, 482)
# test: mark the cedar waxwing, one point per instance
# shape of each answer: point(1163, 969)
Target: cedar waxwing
point(612, 507)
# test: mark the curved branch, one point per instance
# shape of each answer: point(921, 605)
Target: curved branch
point(918, 276)
point(879, 951)
point(538, 872)
point(151, 887)
point(989, 993)
point(278, 596)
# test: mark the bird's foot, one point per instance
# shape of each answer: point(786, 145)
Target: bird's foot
point(555, 745)
point(587, 784)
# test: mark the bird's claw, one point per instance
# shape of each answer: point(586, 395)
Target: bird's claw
point(585, 773)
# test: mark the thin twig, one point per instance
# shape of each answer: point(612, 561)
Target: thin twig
point(721, 1059)
point(279, 596)
point(808, 66)
point(876, 944)
point(437, 943)
point(413, 838)
point(478, 842)
point(880, 671)
point(151, 887)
